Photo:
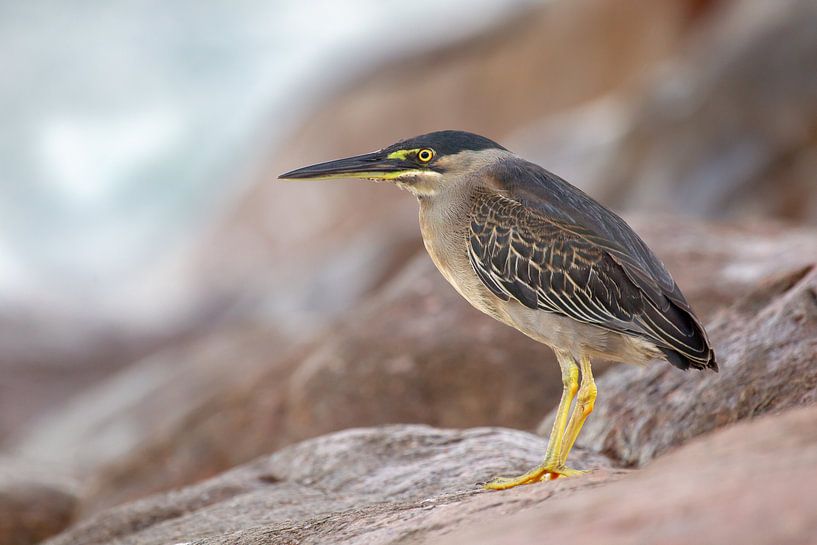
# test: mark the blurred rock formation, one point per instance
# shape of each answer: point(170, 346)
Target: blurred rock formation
point(724, 129)
point(317, 311)
point(414, 352)
point(36, 501)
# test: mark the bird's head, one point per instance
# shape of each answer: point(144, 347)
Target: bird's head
point(424, 165)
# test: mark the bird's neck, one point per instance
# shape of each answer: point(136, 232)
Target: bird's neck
point(445, 215)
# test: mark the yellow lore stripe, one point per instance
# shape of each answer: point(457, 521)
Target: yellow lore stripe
point(402, 154)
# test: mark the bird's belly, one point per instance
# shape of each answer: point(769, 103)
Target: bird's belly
point(579, 338)
point(554, 330)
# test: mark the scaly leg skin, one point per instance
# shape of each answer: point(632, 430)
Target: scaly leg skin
point(585, 401)
point(552, 467)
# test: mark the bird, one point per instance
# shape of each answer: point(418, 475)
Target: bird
point(534, 252)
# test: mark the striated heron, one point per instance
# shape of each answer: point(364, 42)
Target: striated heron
point(527, 248)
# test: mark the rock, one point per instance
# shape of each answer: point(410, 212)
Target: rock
point(417, 484)
point(49, 355)
point(715, 264)
point(765, 345)
point(36, 502)
point(330, 489)
point(415, 352)
point(154, 425)
point(418, 342)
point(751, 484)
point(725, 129)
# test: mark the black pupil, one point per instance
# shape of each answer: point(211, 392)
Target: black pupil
point(425, 155)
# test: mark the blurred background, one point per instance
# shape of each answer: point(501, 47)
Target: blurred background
point(169, 310)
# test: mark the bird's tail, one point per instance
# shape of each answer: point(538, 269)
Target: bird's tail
point(683, 362)
point(685, 342)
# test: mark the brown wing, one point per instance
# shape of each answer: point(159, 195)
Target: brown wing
point(568, 269)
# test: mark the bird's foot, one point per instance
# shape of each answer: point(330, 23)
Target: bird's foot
point(544, 472)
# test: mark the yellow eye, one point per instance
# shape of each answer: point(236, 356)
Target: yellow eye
point(425, 155)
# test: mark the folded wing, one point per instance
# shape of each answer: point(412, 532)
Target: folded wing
point(544, 260)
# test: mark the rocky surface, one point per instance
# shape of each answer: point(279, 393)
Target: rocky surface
point(48, 355)
point(328, 318)
point(766, 347)
point(162, 422)
point(418, 352)
point(418, 484)
point(333, 489)
point(415, 352)
point(748, 484)
point(36, 501)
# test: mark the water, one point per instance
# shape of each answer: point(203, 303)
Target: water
point(124, 124)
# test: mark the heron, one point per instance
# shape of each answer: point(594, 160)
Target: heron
point(529, 249)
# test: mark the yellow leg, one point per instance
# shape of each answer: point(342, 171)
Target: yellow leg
point(552, 467)
point(585, 401)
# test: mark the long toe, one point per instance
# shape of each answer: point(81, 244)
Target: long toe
point(545, 472)
point(504, 483)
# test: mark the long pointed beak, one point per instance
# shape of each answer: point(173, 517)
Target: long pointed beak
point(373, 165)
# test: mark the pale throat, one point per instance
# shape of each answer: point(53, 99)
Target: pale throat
point(420, 183)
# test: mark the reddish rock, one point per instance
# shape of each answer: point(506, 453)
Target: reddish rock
point(716, 263)
point(47, 356)
point(751, 484)
point(415, 352)
point(36, 501)
point(330, 489)
point(726, 129)
point(766, 347)
point(414, 483)
point(161, 423)
point(418, 352)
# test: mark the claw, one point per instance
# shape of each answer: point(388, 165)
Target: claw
point(539, 474)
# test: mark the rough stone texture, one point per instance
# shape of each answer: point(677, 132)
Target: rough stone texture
point(751, 484)
point(767, 350)
point(36, 502)
point(323, 490)
point(414, 484)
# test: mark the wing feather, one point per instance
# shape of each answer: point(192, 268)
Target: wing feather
point(570, 268)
